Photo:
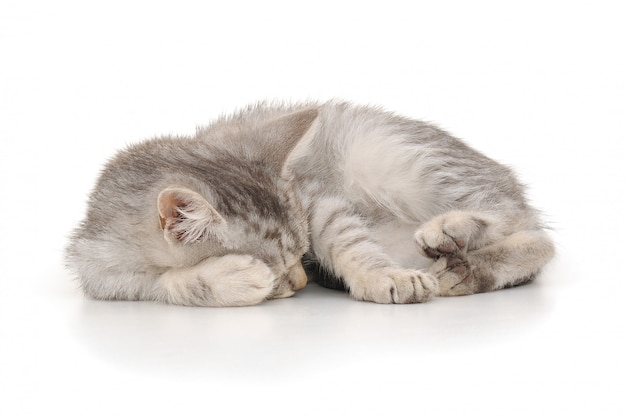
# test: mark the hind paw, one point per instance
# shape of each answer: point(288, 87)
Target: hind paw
point(447, 235)
point(454, 275)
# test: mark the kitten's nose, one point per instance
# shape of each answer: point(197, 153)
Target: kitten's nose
point(297, 277)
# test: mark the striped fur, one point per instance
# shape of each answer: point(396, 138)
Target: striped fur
point(396, 210)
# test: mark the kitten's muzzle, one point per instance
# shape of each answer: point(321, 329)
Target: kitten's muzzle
point(297, 277)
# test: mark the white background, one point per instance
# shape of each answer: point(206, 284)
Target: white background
point(537, 85)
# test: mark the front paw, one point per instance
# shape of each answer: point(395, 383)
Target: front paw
point(232, 280)
point(239, 280)
point(395, 286)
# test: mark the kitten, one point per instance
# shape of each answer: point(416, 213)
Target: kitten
point(394, 209)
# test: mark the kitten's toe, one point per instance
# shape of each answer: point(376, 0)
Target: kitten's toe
point(446, 236)
point(397, 286)
point(454, 276)
point(439, 244)
point(457, 265)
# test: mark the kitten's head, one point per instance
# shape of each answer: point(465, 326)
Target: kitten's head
point(194, 229)
point(243, 202)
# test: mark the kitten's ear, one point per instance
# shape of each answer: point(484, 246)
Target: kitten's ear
point(287, 132)
point(187, 217)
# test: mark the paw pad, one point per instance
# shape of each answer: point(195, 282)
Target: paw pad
point(448, 248)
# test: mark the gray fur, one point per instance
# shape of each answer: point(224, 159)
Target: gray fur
point(395, 208)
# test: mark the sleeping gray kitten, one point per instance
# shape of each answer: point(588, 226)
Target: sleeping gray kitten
point(396, 209)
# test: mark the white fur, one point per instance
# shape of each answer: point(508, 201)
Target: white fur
point(396, 238)
point(234, 280)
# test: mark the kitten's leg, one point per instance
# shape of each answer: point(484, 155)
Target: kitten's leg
point(341, 241)
point(474, 254)
point(232, 280)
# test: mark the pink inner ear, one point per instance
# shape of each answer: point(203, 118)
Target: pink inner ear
point(168, 207)
point(186, 216)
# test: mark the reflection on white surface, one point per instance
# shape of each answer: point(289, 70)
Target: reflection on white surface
point(313, 331)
